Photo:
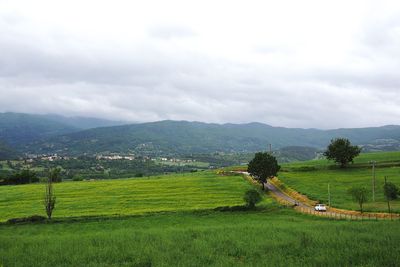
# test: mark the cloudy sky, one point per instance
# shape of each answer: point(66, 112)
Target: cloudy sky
point(320, 64)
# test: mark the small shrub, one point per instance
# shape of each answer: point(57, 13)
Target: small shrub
point(360, 195)
point(252, 197)
point(77, 178)
point(391, 191)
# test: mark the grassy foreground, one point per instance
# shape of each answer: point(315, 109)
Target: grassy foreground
point(312, 177)
point(171, 223)
point(178, 192)
point(259, 238)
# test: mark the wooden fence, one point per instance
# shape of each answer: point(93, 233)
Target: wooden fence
point(353, 217)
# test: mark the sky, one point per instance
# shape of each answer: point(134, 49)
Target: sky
point(308, 64)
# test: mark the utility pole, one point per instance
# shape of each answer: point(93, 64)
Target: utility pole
point(270, 148)
point(329, 196)
point(373, 179)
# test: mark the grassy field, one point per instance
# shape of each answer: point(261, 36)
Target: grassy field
point(312, 178)
point(201, 190)
point(259, 238)
point(169, 221)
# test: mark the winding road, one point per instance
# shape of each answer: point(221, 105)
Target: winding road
point(278, 193)
point(305, 208)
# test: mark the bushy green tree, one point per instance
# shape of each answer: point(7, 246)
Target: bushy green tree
point(252, 197)
point(341, 151)
point(263, 166)
point(360, 195)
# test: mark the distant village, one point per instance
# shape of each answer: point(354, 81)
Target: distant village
point(56, 157)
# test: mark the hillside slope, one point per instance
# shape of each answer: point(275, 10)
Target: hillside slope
point(83, 123)
point(19, 129)
point(182, 137)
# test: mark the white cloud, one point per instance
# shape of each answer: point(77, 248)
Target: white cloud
point(287, 63)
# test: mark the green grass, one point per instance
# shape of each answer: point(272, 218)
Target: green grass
point(363, 158)
point(311, 178)
point(168, 221)
point(263, 238)
point(201, 190)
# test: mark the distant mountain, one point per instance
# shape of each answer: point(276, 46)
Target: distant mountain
point(19, 129)
point(83, 123)
point(7, 152)
point(182, 138)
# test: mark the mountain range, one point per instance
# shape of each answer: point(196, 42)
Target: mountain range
point(43, 134)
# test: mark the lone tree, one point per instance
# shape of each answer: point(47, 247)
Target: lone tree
point(341, 151)
point(360, 195)
point(252, 197)
point(263, 166)
point(49, 197)
point(391, 192)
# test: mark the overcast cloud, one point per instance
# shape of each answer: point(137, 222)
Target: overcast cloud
point(320, 64)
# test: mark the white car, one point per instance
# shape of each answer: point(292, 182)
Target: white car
point(320, 207)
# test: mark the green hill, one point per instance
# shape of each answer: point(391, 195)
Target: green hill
point(182, 137)
point(18, 129)
point(78, 135)
point(82, 123)
point(7, 152)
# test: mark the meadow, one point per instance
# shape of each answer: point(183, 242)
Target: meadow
point(171, 220)
point(177, 192)
point(268, 237)
point(311, 178)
